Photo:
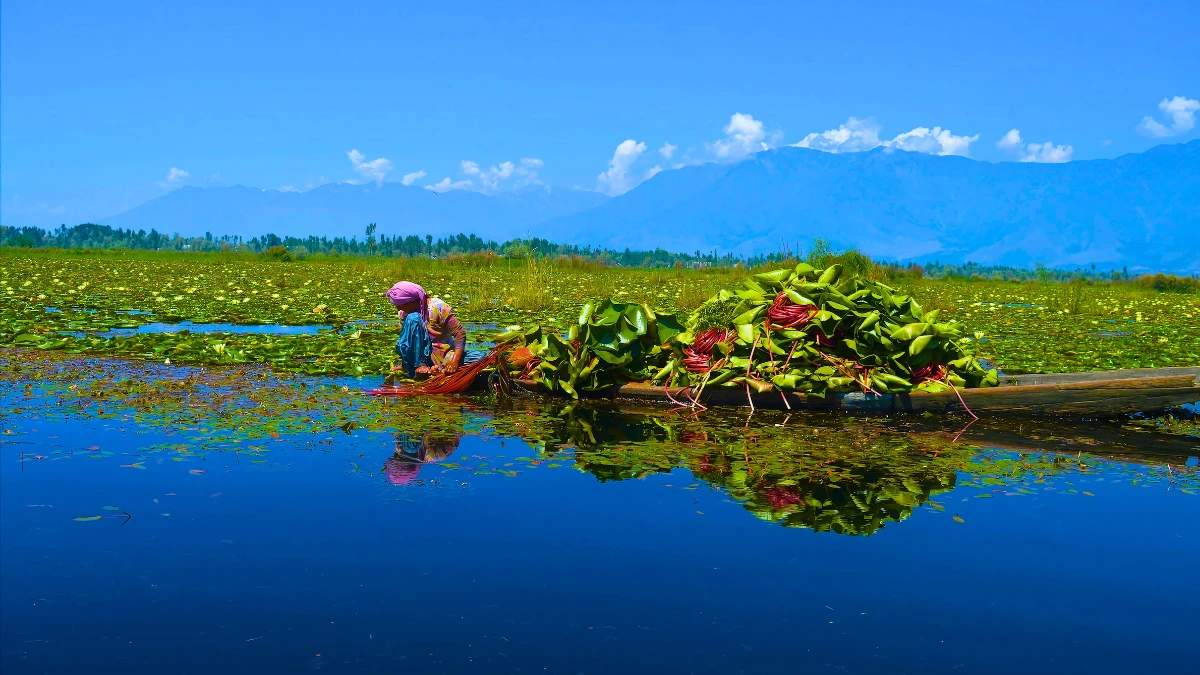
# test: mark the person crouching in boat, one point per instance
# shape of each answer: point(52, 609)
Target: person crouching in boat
point(431, 338)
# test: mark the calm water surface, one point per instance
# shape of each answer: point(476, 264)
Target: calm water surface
point(365, 552)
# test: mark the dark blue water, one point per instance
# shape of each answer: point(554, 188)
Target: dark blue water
point(308, 555)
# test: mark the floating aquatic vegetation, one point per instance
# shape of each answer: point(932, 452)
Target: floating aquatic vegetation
point(1021, 327)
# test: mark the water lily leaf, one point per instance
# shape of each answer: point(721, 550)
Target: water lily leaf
point(910, 331)
point(830, 275)
point(919, 344)
point(637, 318)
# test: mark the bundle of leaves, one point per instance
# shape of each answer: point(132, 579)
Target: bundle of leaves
point(611, 344)
point(821, 331)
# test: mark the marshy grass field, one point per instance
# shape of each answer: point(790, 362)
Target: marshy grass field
point(114, 304)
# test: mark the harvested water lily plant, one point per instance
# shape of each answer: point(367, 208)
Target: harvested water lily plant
point(801, 329)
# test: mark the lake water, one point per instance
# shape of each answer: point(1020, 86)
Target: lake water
point(543, 538)
point(158, 327)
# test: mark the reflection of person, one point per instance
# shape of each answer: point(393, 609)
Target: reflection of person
point(431, 338)
point(403, 466)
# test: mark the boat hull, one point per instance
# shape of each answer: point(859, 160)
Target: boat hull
point(1097, 393)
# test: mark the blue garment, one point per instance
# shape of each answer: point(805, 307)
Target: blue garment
point(471, 356)
point(415, 347)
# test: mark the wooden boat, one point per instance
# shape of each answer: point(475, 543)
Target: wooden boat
point(1112, 392)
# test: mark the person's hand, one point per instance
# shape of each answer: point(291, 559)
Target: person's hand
point(451, 367)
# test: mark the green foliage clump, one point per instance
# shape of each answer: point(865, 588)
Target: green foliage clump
point(824, 331)
point(1169, 283)
point(277, 254)
point(612, 343)
point(717, 311)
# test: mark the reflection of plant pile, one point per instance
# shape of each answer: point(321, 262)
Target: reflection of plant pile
point(791, 330)
point(849, 484)
point(837, 495)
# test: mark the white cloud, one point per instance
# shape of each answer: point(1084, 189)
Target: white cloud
point(1047, 153)
point(445, 185)
point(489, 179)
point(527, 172)
point(288, 188)
point(858, 135)
point(1180, 114)
point(175, 177)
point(410, 178)
point(667, 150)
point(854, 136)
point(1010, 141)
point(744, 136)
point(652, 172)
point(374, 170)
point(935, 141)
point(1042, 153)
point(616, 180)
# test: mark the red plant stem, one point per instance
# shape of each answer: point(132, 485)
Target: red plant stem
point(667, 391)
point(789, 358)
point(751, 363)
point(960, 399)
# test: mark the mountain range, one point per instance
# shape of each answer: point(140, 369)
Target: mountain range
point(344, 209)
point(1138, 210)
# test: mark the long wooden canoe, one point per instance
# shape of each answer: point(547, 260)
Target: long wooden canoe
point(1112, 392)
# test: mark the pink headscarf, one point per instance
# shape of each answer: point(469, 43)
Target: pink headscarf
point(405, 292)
point(401, 473)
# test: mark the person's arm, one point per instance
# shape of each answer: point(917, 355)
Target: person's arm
point(459, 335)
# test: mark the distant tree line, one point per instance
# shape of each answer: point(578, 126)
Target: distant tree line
point(104, 237)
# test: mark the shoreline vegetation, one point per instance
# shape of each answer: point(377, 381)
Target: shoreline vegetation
point(92, 239)
point(131, 305)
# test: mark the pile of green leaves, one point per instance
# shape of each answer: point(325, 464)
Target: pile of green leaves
point(611, 344)
point(862, 336)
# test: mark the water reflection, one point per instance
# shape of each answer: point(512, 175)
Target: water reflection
point(825, 471)
point(850, 483)
point(412, 452)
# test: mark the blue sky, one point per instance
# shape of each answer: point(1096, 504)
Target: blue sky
point(101, 102)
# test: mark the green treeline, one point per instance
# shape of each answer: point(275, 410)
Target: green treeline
point(89, 236)
point(104, 237)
